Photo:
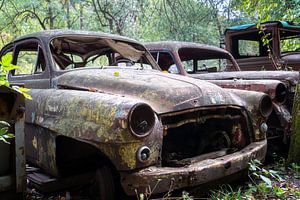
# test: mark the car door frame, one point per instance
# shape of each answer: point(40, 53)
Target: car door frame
point(36, 80)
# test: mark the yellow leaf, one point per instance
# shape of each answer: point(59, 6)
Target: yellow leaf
point(23, 89)
point(116, 74)
point(27, 96)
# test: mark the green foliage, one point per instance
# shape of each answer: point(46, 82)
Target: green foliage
point(267, 10)
point(5, 67)
point(146, 20)
point(265, 183)
point(269, 183)
point(295, 168)
point(4, 135)
point(226, 193)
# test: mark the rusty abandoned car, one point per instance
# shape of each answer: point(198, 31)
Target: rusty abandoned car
point(211, 63)
point(274, 45)
point(103, 112)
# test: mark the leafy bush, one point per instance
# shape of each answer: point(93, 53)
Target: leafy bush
point(5, 67)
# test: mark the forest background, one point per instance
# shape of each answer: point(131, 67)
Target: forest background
point(202, 21)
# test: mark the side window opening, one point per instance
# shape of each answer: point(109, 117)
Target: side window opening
point(248, 48)
point(30, 58)
point(189, 65)
point(165, 62)
point(154, 55)
point(202, 60)
point(251, 44)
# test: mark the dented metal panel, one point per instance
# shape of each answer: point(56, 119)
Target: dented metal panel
point(159, 180)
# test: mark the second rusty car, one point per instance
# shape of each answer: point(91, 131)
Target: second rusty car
point(102, 106)
point(210, 63)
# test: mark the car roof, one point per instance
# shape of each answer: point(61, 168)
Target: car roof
point(175, 45)
point(50, 34)
point(284, 24)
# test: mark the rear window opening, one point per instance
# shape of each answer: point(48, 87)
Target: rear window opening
point(196, 60)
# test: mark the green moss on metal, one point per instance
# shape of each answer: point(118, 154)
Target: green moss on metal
point(294, 153)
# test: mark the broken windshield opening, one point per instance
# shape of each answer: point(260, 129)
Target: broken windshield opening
point(78, 51)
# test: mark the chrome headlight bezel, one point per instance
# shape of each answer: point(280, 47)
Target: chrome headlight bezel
point(141, 120)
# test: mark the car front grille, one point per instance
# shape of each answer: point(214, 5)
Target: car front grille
point(205, 132)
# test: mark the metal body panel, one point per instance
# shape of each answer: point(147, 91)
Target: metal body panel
point(164, 179)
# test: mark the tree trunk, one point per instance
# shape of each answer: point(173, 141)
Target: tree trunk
point(294, 152)
point(68, 14)
point(81, 16)
point(50, 15)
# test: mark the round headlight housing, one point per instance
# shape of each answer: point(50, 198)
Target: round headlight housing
point(281, 93)
point(265, 105)
point(141, 120)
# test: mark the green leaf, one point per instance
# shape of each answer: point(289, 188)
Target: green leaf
point(27, 96)
point(266, 180)
point(279, 192)
point(4, 83)
point(4, 140)
point(10, 67)
point(4, 124)
point(297, 193)
point(6, 59)
point(3, 130)
point(23, 89)
point(8, 135)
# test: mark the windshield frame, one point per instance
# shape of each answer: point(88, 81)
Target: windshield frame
point(146, 54)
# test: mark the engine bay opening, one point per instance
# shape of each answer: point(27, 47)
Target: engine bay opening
point(203, 135)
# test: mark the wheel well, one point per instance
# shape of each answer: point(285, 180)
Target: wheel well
point(74, 157)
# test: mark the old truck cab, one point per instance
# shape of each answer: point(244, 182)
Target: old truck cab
point(273, 45)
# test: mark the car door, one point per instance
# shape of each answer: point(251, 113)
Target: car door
point(33, 73)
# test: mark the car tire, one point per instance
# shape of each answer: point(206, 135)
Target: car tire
point(104, 187)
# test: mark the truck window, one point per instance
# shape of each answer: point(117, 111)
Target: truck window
point(289, 41)
point(250, 44)
point(248, 48)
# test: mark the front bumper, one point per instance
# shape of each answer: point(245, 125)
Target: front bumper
point(163, 179)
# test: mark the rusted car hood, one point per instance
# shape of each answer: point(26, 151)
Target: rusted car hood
point(290, 76)
point(163, 92)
